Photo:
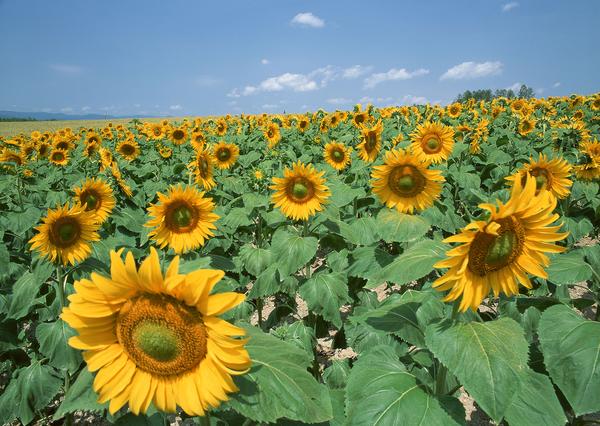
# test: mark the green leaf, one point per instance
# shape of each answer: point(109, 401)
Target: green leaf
point(381, 392)
point(394, 226)
point(362, 231)
point(237, 217)
point(255, 259)
point(293, 251)
point(131, 219)
point(336, 375)
point(80, 396)
point(23, 297)
point(30, 391)
point(568, 268)
point(535, 403)
point(53, 338)
point(4, 260)
point(266, 284)
point(366, 262)
point(21, 222)
point(298, 334)
point(325, 293)
point(571, 348)
point(278, 384)
point(487, 358)
point(416, 262)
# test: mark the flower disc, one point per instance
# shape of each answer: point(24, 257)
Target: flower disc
point(433, 142)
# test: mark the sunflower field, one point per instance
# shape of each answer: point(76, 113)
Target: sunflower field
point(380, 266)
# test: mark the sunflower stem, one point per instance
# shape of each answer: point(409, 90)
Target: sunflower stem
point(61, 279)
point(259, 307)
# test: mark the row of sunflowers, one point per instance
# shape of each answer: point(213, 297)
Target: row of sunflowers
point(371, 266)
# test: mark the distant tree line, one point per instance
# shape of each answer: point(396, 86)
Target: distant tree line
point(524, 92)
point(6, 119)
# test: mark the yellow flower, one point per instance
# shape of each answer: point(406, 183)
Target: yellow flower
point(258, 174)
point(129, 149)
point(337, 155)
point(550, 175)
point(272, 134)
point(225, 154)
point(371, 142)
point(526, 126)
point(221, 127)
point(65, 235)
point(454, 110)
point(203, 169)
point(303, 124)
point(59, 157)
point(498, 253)
point(178, 135)
point(182, 219)
point(301, 192)
point(96, 197)
point(404, 182)
point(155, 338)
point(432, 142)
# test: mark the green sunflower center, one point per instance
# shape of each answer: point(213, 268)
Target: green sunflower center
point(371, 141)
point(65, 232)
point(338, 156)
point(432, 145)
point(406, 181)
point(183, 216)
point(299, 190)
point(127, 149)
point(501, 248)
point(224, 154)
point(90, 200)
point(542, 178)
point(156, 340)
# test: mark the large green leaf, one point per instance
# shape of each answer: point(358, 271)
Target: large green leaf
point(278, 384)
point(394, 226)
point(23, 297)
point(571, 348)
point(381, 391)
point(255, 259)
point(293, 251)
point(362, 231)
point(416, 262)
point(535, 403)
point(80, 396)
point(569, 268)
point(237, 217)
point(52, 338)
point(489, 359)
point(325, 293)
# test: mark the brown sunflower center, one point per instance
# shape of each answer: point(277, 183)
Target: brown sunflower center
point(432, 144)
point(406, 181)
point(303, 124)
point(203, 167)
point(91, 199)
point(526, 126)
point(162, 335)
point(270, 133)
point(127, 149)
point(178, 134)
point(338, 156)
point(490, 253)
point(223, 154)
point(358, 119)
point(58, 156)
point(301, 190)
point(157, 131)
point(62, 145)
point(181, 217)
point(542, 178)
point(371, 140)
point(65, 232)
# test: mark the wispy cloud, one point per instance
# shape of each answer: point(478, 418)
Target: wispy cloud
point(514, 87)
point(66, 110)
point(507, 7)
point(339, 101)
point(265, 61)
point(557, 84)
point(86, 108)
point(413, 100)
point(307, 19)
point(393, 74)
point(66, 69)
point(469, 70)
point(176, 107)
point(356, 71)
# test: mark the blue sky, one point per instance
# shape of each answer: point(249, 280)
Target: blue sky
point(183, 57)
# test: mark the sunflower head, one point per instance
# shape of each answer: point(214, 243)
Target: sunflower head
point(432, 142)
point(337, 155)
point(272, 134)
point(65, 235)
point(404, 182)
point(371, 142)
point(454, 110)
point(225, 154)
point(96, 196)
point(526, 126)
point(163, 332)
point(59, 157)
point(498, 253)
point(550, 175)
point(303, 124)
point(182, 219)
point(301, 192)
point(129, 149)
point(178, 135)
point(203, 169)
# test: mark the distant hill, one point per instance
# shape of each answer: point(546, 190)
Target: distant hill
point(44, 116)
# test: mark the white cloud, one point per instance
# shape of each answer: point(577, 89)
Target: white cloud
point(413, 100)
point(308, 19)
point(356, 71)
point(86, 108)
point(66, 109)
point(175, 107)
point(265, 61)
point(366, 100)
point(469, 70)
point(393, 74)
point(515, 87)
point(557, 84)
point(506, 7)
point(339, 101)
point(66, 69)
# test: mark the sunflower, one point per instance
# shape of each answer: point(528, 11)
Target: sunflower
point(43, 149)
point(526, 126)
point(182, 219)
point(198, 140)
point(595, 103)
point(106, 158)
point(65, 235)
point(371, 142)
point(225, 154)
point(129, 149)
point(203, 169)
point(588, 171)
point(221, 127)
point(96, 196)
point(550, 175)
point(157, 338)
point(337, 155)
point(165, 152)
point(303, 124)
point(405, 182)
point(454, 110)
point(59, 157)
point(93, 138)
point(157, 131)
point(178, 135)
point(592, 149)
point(432, 142)
point(301, 192)
point(360, 119)
point(272, 134)
point(258, 175)
point(498, 253)
point(10, 156)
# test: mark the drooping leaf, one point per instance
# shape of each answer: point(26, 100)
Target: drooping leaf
point(394, 226)
point(325, 293)
point(53, 337)
point(292, 251)
point(568, 268)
